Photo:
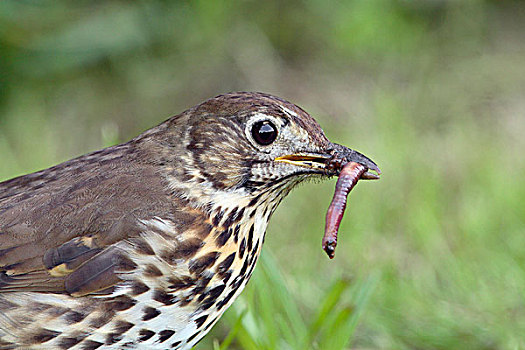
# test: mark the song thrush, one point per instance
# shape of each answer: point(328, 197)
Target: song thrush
point(144, 245)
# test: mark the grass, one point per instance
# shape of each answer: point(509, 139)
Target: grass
point(430, 257)
point(264, 320)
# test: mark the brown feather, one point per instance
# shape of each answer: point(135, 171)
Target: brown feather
point(95, 275)
point(64, 221)
point(38, 281)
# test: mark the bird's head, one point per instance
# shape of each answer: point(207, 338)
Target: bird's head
point(255, 143)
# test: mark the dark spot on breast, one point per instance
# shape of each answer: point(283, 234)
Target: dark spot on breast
point(198, 265)
point(184, 250)
point(142, 246)
point(237, 282)
point(165, 335)
point(44, 335)
point(236, 233)
point(266, 211)
point(201, 284)
point(193, 336)
point(74, 316)
point(180, 283)
point(201, 320)
point(122, 327)
point(102, 319)
point(186, 176)
point(121, 303)
point(253, 185)
point(225, 301)
point(242, 248)
point(217, 218)
point(255, 249)
point(150, 313)
point(162, 297)
point(91, 345)
point(225, 264)
point(138, 288)
point(250, 239)
point(204, 230)
point(68, 342)
point(177, 343)
point(206, 304)
point(254, 200)
point(112, 338)
point(208, 208)
point(152, 271)
point(185, 300)
point(230, 218)
point(235, 216)
point(208, 326)
point(212, 293)
point(145, 334)
point(240, 215)
point(226, 276)
point(223, 237)
point(215, 292)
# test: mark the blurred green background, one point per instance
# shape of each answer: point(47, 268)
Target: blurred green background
point(432, 256)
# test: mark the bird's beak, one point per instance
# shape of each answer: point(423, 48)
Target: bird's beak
point(331, 162)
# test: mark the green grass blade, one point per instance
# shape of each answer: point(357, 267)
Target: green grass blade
point(284, 297)
point(234, 331)
point(329, 303)
point(337, 329)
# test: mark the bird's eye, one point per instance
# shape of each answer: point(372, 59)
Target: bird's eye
point(264, 132)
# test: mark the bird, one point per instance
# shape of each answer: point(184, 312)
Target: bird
point(145, 244)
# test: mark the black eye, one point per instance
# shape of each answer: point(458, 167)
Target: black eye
point(264, 132)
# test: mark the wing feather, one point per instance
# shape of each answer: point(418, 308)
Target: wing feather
point(60, 228)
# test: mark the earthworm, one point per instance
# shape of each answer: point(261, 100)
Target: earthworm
point(348, 177)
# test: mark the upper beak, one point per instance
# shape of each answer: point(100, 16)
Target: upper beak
point(333, 161)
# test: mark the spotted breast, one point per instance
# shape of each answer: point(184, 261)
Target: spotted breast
point(144, 245)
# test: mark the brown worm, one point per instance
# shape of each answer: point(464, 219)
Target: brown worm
point(348, 177)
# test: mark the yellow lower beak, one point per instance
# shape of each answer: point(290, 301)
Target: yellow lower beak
point(304, 160)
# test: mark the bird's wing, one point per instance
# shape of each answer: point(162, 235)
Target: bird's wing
point(85, 264)
point(60, 228)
